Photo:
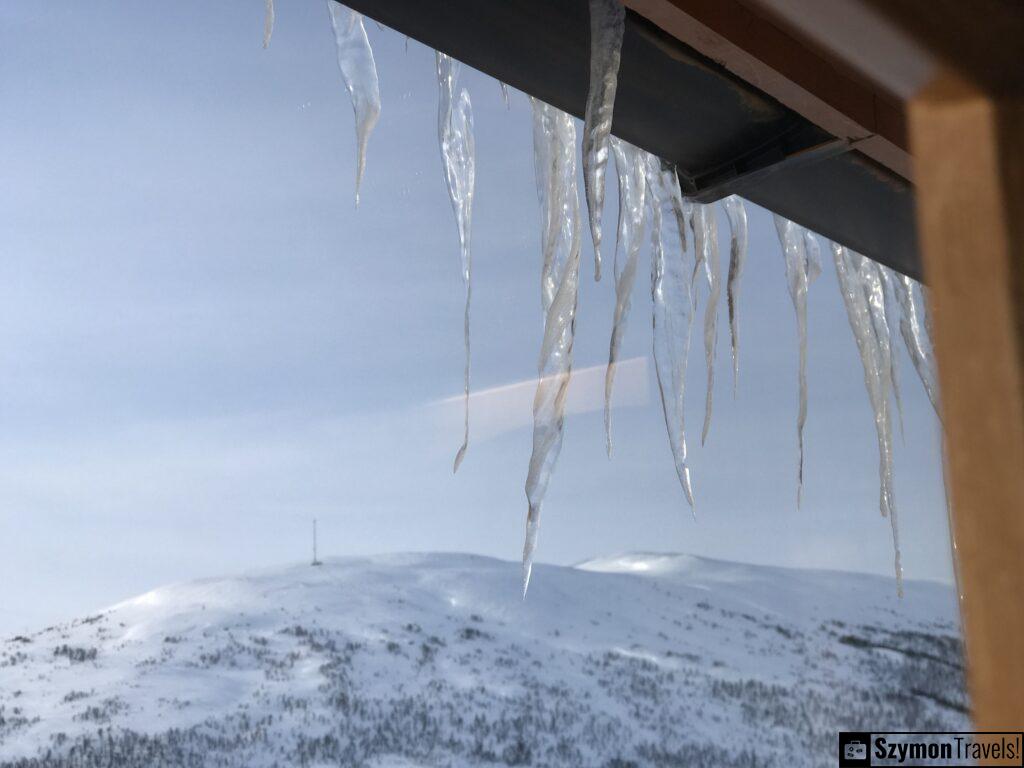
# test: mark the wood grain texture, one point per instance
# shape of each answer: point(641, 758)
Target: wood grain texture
point(970, 171)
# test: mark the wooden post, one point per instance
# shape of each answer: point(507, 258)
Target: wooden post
point(968, 147)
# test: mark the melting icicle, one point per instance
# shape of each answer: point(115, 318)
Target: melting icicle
point(630, 166)
point(801, 253)
point(672, 299)
point(813, 248)
point(607, 23)
point(554, 156)
point(712, 270)
point(694, 216)
point(455, 138)
point(737, 214)
point(860, 281)
point(504, 95)
point(913, 322)
point(358, 70)
point(888, 278)
point(268, 23)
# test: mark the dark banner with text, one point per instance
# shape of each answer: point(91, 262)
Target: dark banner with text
point(977, 749)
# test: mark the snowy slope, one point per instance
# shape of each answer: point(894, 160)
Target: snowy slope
point(424, 660)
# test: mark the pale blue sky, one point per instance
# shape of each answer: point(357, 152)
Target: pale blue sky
point(203, 344)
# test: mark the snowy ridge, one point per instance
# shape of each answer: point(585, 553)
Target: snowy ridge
point(434, 660)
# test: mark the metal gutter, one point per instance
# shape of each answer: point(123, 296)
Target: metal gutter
point(723, 134)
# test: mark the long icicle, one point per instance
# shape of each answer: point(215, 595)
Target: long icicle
point(672, 300)
point(801, 270)
point(860, 282)
point(358, 70)
point(913, 323)
point(458, 156)
point(737, 214)
point(268, 23)
point(554, 148)
point(630, 166)
point(693, 215)
point(607, 23)
point(713, 271)
point(888, 278)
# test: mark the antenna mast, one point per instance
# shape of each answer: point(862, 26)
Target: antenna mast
point(315, 560)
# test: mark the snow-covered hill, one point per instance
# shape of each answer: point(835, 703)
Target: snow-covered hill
point(433, 660)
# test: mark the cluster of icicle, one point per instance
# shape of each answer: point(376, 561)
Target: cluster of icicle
point(870, 292)
point(682, 266)
point(649, 190)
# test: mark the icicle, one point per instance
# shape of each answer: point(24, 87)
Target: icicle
point(737, 214)
point(712, 269)
point(607, 23)
point(504, 95)
point(888, 278)
point(672, 301)
point(813, 249)
point(630, 166)
point(455, 138)
point(880, 310)
point(860, 281)
point(358, 70)
point(801, 253)
point(926, 307)
point(913, 324)
point(268, 23)
point(694, 217)
point(554, 148)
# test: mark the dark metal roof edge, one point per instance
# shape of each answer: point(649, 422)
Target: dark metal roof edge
point(724, 135)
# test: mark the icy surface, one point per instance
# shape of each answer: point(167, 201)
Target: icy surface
point(672, 300)
point(268, 23)
point(429, 660)
point(737, 214)
point(607, 22)
point(913, 325)
point(631, 169)
point(860, 282)
point(358, 70)
point(458, 156)
point(554, 148)
point(708, 240)
point(800, 250)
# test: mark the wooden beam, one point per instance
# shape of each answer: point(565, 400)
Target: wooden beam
point(958, 67)
point(902, 45)
point(856, 33)
point(970, 173)
point(808, 80)
point(980, 40)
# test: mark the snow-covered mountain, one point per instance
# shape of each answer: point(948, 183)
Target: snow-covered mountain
point(434, 660)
